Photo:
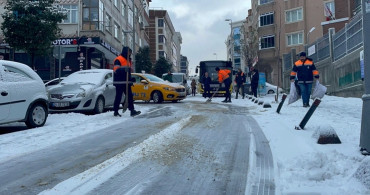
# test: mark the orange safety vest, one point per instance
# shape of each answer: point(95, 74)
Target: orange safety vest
point(223, 75)
point(122, 61)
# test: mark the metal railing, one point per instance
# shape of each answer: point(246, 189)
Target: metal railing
point(348, 39)
point(321, 48)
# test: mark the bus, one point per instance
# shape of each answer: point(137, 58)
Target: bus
point(209, 66)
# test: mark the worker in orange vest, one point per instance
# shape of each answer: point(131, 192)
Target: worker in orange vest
point(122, 79)
point(305, 70)
point(224, 77)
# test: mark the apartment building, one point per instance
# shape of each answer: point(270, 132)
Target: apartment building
point(93, 34)
point(184, 65)
point(279, 26)
point(235, 45)
point(164, 41)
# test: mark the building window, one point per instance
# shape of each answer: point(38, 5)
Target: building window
point(294, 15)
point(162, 54)
point(161, 39)
point(329, 10)
point(108, 19)
point(72, 16)
point(267, 42)
point(123, 38)
point(295, 39)
point(160, 22)
point(261, 2)
point(267, 19)
point(116, 30)
point(92, 15)
point(130, 17)
point(115, 2)
point(123, 8)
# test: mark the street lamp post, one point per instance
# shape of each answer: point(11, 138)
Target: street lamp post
point(231, 40)
point(308, 34)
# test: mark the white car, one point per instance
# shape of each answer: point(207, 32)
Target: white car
point(83, 91)
point(53, 82)
point(23, 96)
point(271, 89)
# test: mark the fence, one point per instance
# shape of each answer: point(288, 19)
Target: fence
point(348, 39)
point(320, 49)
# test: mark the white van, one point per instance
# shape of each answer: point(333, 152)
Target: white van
point(179, 78)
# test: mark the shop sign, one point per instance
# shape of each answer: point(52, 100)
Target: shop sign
point(65, 41)
point(109, 47)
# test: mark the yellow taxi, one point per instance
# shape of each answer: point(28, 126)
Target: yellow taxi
point(149, 87)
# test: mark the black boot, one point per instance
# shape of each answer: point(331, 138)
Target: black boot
point(135, 113)
point(224, 100)
point(116, 114)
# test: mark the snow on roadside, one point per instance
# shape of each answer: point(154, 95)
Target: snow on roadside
point(302, 165)
point(91, 178)
point(58, 128)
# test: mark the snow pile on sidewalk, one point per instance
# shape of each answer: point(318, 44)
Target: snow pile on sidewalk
point(302, 165)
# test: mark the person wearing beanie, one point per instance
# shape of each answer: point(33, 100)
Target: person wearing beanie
point(224, 77)
point(305, 71)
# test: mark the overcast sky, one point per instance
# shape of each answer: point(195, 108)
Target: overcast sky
point(202, 25)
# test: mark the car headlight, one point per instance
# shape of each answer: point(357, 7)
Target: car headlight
point(169, 88)
point(81, 94)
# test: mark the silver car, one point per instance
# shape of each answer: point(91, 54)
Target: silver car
point(83, 91)
point(22, 95)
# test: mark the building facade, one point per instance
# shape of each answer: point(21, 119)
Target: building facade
point(184, 65)
point(164, 41)
point(93, 34)
point(235, 45)
point(280, 26)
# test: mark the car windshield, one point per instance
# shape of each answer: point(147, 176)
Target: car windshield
point(176, 78)
point(151, 77)
point(94, 78)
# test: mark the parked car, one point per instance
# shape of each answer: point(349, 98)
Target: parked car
point(149, 87)
point(181, 79)
point(23, 96)
point(83, 91)
point(271, 89)
point(53, 82)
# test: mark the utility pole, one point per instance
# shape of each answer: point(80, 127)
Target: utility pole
point(365, 122)
point(133, 36)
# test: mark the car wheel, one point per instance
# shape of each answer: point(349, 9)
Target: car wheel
point(157, 97)
point(99, 105)
point(175, 101)
point(270, 91)
point(37, 116)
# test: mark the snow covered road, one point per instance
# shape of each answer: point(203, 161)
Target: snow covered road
point(181, 148)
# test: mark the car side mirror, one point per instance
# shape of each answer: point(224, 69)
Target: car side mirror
point(144, 81)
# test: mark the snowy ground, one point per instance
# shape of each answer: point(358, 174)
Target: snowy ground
point(301, 165)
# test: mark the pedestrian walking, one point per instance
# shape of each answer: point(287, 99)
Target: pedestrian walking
point(206, 85)
point(122, 81)
point(239, 80)
point(224, 77)
point(305, 71)
point(254, 81)
point(193, 87)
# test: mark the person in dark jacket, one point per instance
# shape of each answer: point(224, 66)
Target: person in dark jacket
point(206, 85)
point(305, 71)
point(240, 80)
point(168, 77)
point(254, 81)
point(193, 87)
point(121, 79)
